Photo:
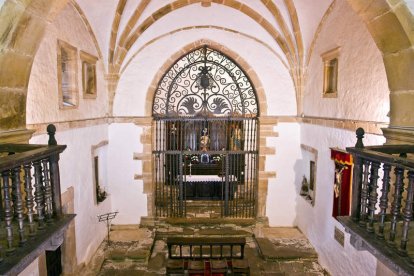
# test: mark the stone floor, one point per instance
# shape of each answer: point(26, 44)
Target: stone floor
point(141, 251)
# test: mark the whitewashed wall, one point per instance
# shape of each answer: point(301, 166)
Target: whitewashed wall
point(362, 95)
point(43, 97)
point(76, 163)
point(283, 191)
point(126, 193)
point(363, 92)
point(316, 222)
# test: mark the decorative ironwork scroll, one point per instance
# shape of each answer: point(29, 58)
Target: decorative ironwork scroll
point(205, 127)
point(205, 81)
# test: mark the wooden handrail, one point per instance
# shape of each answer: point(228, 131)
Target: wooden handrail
point(21, 157)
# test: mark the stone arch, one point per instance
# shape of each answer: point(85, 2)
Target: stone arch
point(22, 24)
point(254, 78)
point(390, 25)
point(262, 103)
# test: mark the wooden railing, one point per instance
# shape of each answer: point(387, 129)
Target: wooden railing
point(382, 202)
point(30, 199)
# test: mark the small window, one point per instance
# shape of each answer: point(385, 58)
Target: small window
point(100, 193)
point(67, 75)
point(88, 75)
point(308, 185)
point(330, 73)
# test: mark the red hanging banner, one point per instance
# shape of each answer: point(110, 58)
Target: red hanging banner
point(341, 182)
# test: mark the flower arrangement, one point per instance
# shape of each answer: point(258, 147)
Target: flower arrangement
point(216, 159)
point(194, 159)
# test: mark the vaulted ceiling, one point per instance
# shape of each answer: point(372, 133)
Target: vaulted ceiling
point(289, 27)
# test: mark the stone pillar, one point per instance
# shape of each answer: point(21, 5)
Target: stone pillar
point(266, 130)
point(390, 24)
point(146, 158)
point(69, 259)
point(112, 84)
point(22, 25)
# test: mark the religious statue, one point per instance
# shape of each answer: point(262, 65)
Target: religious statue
point(204, 140)
point(304, 190)
point(204, 146)
point(338, 180)
point(235, 137)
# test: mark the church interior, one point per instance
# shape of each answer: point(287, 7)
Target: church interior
point(153, 115)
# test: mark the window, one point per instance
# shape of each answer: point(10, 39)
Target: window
point(308, 186)
point(88, 75)
point(67, 75)
point(330, 73)
point(100, 193)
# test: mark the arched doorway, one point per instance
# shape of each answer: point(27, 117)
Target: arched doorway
point(205, 150)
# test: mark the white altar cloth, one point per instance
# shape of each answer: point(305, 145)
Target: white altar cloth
point(207, 178)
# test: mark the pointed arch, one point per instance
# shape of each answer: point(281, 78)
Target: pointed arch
point(248, 70)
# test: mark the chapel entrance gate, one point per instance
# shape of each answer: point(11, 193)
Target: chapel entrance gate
point(205, 142)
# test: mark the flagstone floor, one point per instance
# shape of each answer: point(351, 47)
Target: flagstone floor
point(143, 251)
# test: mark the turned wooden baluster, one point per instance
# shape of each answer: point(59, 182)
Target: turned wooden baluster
point(29, 197)
point(364, 194)
point(356, 189)
point(407, 213)
point(8, 212)
point(384, 200)
point(18, 203)
point(54, 174)
point(357, 178)
point(39, 194)
point(396, 204)
point(47, 191)
point(373, 195)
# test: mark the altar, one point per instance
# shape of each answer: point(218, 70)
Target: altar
point(208, 187)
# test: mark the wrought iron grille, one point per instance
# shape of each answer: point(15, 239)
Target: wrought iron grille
point(205, 81)
point(205, 144)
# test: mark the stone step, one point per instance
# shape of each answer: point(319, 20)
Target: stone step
point(284, 250)
point(211, 221)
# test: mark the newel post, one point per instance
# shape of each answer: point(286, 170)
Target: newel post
point(357, 177)
point(54, 173)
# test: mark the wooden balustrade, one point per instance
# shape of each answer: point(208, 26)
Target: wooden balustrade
point(382, 202)
point(29, 196)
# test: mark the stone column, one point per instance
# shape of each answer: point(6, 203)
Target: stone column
point(22, 25)
point(112, 83)
point(390, 24)
point(266, 130)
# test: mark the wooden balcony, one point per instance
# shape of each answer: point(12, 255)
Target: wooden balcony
point(382, 204)
point(31, 218)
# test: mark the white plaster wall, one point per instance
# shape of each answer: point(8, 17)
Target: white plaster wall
point(282, 191)
point(32, 269)
point(310, 14)
point(100, 15)
point(126, 193)
point(76, 169)
point(138, 76)
point(363, 92)
point(316, 222)
point(43, 97)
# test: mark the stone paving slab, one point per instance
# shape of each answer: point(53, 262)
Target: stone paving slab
point(281, 233)
point(129, 234)
point(279, 250)
point(148, 255)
